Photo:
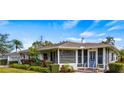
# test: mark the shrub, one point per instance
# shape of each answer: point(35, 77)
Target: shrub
point(67, 68)
point(27, 61)
point(13, 62)
point(116, 67)
point(20, 66)
point(3, 62)
point(39, 69)
point(48, 63)
point(54, 68)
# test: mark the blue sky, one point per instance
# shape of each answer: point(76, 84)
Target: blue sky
point(29, 31)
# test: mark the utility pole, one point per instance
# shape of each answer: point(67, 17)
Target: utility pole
point(82, 39)
point(41, 38)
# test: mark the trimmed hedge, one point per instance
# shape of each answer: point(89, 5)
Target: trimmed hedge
point(54, 68)
point(116, 67)
point(3, 62)
point(39, 69)
point(13, 62)
point(20, 66)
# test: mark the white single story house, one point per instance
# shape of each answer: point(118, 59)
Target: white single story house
point(89, 55)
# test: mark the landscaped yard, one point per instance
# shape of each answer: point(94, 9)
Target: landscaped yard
point(14, 70)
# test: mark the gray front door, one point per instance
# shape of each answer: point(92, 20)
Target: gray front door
point(92, 59)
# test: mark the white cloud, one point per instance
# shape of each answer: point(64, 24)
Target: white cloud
point(3, 22)
point(117, 39)
point(86, 34)
point(27, 42)
point(70, 24)
point(73, 39)
point(116, 28)
point(111, 23)
point(101, 34)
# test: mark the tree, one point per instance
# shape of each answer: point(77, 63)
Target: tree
point(121, 54)
point(109, 40)
point(37, 44)
point(48, 43)
point(61, 42)
point(5, 44)
point(33, 52)
point(17, 44)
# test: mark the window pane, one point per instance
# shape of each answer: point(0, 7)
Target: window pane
point(100, 55)
point(79, 56)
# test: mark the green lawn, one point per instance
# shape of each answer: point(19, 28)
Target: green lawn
point(14, 70)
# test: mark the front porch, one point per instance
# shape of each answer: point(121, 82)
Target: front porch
point(88, 58)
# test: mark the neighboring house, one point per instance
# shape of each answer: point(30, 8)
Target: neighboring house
point(90, 55)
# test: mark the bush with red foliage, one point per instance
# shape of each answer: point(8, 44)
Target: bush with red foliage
point(27, 61)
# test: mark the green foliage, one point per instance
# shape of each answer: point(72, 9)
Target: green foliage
point(109, 40)
point(20, 66)
point(121, 55)
point(33, 52)
point(3, 62)
point(48, 63)
point(14, 70)
point(37, 62)
point(13, 62)
point(54, 68)
point(5, 44)
point(116, 67)
point(32, 68)
point(17, 44)
point(37, 44)
point(67, 68)
point(39, 69)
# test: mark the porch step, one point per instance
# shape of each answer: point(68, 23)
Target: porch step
point(89, 70)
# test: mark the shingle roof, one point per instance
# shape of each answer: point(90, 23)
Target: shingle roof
point(71, 45)
point(75, 45)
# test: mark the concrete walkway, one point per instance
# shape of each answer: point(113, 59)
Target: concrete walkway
point(4, 66)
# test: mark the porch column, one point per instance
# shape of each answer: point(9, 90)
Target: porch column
point(58, 56)
point(82, 57)
point(104, 58)
point(96, 57)
point(88, 59)
point(76, 55)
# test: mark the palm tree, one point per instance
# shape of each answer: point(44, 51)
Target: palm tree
point(18, 44)
point(109, 40)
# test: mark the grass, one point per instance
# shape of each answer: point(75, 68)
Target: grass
point(14, 70)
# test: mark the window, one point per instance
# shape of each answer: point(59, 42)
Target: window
point(79, 56)
point(67, 56)
point(100, 55)
point(112, 57)
point(85, 56)
point(92, 55)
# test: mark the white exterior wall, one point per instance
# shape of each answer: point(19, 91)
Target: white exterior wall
point(110, 57)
